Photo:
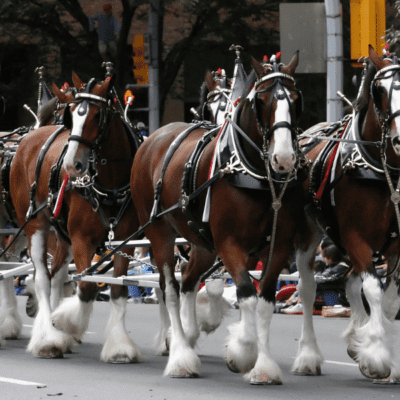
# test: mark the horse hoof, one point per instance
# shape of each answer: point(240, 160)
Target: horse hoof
point(352, 353)
point(184, 374)
point(11, 337)
point(232, 367)
point(122, 360)
point(373, 375)
point(264, 379)
point(309, 372)
point(52, 352)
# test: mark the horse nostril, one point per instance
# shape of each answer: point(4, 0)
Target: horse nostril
point(78, 166)
point(281, 168)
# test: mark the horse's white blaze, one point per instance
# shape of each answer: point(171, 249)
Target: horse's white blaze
point(44, 335)
point(118, 346)
point(72, 316)
point(182, 359)
point(371, 341)
point(309, 358)
point(394, 106)
point(78, 121)
point(241, 348)
point(266, 369)
point(282, 154)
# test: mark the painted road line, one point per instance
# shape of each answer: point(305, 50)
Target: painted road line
point(19, 382)
point(31, 326)
point(339, 363)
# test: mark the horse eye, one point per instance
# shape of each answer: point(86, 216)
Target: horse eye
point(97, 116)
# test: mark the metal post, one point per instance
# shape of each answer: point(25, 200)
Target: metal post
point(154, 100)
point(334, 76)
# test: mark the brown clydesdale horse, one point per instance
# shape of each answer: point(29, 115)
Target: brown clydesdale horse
point(10, 321)
point(357, 207)
point(261, 134)
point(96, 151)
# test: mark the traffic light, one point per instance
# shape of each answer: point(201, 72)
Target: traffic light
point(367, 27)
point(140, 68)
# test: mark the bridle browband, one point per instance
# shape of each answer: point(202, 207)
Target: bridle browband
point(84, 99)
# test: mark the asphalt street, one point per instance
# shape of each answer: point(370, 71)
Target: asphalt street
point(81, 375)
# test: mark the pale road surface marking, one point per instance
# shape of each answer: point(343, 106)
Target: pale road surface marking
point(19, 382)
point(339, 363)
point(31, 326)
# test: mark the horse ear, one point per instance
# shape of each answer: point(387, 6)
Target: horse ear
point(210, 81)
point(378, 62)
point(59, 94)
point(258, 68)
point(107, 85)
point(77, 81)
point(291, 67)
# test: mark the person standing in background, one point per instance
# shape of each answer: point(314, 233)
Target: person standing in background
point(107, 29)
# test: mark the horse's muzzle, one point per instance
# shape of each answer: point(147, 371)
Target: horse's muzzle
point(282, 163)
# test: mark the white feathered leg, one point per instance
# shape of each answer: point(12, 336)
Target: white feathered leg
point(58, 280)
point(118, 347)
point(211, 307)
point(73, 315)
point(188, 316)
point(46, 341)
point(163, 337)
point(10, 323)
point(266, 371)
point(391, 304)
point(358, 314)
point(183, 361)
point(371, 341)
point(241, 348)
point(309, 358)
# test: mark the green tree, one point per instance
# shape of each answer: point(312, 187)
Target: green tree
point(207, 22)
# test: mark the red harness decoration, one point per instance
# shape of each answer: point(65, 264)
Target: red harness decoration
point(58, 205)
point(328, 170)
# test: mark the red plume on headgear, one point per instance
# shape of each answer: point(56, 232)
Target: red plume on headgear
point(219, 71)
point(386, 46)
point(278, 55)
point(265, 58)
point(66, 84)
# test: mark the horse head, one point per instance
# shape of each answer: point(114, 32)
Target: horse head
point(88, 117)
point(218, 97)
point(385, 94)
point(277, 104)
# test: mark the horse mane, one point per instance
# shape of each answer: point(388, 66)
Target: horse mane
point(47, 111)
point(251, 78)
point(363, 99)
point(202, 99)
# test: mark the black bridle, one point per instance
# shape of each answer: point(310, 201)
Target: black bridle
point(395, 85)
point(278, 92)
point(83, 101)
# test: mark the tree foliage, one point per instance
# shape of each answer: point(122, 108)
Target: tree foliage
point(58, 30)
